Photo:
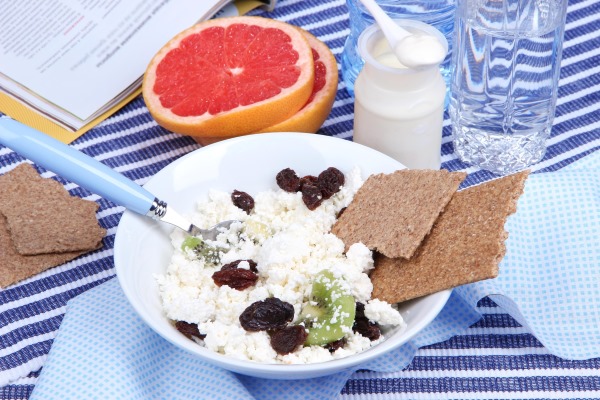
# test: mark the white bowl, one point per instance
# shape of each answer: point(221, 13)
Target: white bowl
point(143, 247)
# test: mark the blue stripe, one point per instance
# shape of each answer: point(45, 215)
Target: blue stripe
point(26, 354)
point(488, 341)
point(499, 363)
point(473, 385)
point(15, 392)
point(41, 285)
point(30, 331)
point(496, 321)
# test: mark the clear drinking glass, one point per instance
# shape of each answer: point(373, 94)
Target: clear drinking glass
point(437, 13)
point(506, 67)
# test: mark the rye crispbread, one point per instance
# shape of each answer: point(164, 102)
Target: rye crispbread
point(465, 245)
point(15, 267)
point(392, 213)
point(43, 217)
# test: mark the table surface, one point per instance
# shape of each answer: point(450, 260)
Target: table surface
point(494, 358)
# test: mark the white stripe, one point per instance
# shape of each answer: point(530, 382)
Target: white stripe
point(145, 163)
point(542, 164)
point(312, 10)
point(589, 21)
point(27, 342)
point(124, 116)
point(577, 113)
point(37, 318)
point(566, 155)
point(581, 5)
point(25, 381)
point(32, 319)
point(65, 287)
point(580, 57)
point(579, 94)
point(583, 75)
point(109, 212)
point(22, 370)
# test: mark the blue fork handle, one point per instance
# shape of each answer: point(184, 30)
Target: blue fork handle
point(75, 166)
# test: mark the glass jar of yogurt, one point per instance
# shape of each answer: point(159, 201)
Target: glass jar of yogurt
point(399, 110)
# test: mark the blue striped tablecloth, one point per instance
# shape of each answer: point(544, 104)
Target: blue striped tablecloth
point(494, 358)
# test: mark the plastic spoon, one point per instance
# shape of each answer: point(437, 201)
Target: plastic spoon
point(413, 50)
point(95, 176)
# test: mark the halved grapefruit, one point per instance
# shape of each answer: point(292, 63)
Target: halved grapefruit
point(229, 76)
point(316, 110)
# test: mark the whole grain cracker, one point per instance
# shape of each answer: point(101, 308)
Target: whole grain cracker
point(392, 213)
point(43, 217)
point(15, 267)
point(465, 245)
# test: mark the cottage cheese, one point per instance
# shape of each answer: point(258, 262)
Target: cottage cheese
point(290, 245)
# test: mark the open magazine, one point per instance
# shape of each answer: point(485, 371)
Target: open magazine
point(66, 65)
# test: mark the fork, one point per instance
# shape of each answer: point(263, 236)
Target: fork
point(93, 175)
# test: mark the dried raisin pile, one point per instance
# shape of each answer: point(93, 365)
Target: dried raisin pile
point(314, 189)
point(338, 344)
point(311, 196)
point(268, 314)
point(288, 180)
point(363, 325)
point(236, 278)
point(189, 330)
point(288, 339)
point(308, 180)
point(330, 182)
point(234, 264)
point(242, 200)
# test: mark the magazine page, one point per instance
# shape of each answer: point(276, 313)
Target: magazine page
point(80, 54)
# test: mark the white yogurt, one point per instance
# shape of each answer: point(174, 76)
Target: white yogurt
point(420, 50)
point(399, 110)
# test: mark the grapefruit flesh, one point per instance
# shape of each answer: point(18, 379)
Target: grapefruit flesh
point(316, 110)
point(228, 77)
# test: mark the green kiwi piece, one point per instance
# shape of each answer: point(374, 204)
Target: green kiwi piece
point(329, 314)
point(201, 249)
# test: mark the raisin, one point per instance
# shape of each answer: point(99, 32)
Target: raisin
point(267, 314)
point(286, 340)
point(311, 196)
point(234, 265)
point(189, 330)
point(242, 200)
point(363, 325)
point(338, 344)
point(236, 278)
point(288, 180)
point(330, 181)
point(308, 179)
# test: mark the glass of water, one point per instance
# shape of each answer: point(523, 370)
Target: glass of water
point(506, 67)
point(437, 13)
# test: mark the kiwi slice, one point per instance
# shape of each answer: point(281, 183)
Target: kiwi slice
point(210, 254)
point(329, 314)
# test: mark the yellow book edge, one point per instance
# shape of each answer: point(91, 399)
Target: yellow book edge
point(24, 114)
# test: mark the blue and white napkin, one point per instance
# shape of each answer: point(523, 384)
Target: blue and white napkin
point(549, 281)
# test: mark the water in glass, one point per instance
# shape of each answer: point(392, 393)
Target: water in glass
point(507, 60)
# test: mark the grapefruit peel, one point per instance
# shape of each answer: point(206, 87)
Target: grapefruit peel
point(311, 117)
